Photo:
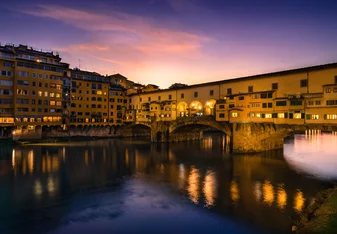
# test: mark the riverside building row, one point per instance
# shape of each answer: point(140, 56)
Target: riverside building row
point(37, 89)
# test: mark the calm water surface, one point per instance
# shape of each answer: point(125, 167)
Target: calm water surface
point(130, 186)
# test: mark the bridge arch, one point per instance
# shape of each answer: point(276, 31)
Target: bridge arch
point(199, 124)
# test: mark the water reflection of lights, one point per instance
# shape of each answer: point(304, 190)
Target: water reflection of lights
point(37, 188)
point(86, 157)
point(193, 185)
point(126, 157)
point(31, 161)
point(13, 158)
point(162, 169)
point(64, 153)
point(299, 201)
point(208, 142)
point(51, 185)
point(257, 191)
point(210, 188)
point(181, 179)
point(235, 192)
point(268, 193)
point(281, 197)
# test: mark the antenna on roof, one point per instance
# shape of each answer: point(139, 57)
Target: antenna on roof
point(79, 64)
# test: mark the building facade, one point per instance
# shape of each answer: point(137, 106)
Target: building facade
point(305, 95)
point(37, 89)
point(33, 81)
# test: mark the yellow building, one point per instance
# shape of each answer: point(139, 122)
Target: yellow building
point(95, 99)
point(35, 87)
point(88, 98)
point(7, 64)
point(305, 95)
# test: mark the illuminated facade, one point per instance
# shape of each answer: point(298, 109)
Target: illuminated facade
point(31, 88)
point(95, 99)
point(305, 95)
point(37, 89)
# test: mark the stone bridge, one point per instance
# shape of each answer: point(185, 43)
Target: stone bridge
point(243, 137)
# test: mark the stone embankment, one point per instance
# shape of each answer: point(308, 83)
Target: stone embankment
point(320, 217)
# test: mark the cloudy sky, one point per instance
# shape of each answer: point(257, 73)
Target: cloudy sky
point(169, 41)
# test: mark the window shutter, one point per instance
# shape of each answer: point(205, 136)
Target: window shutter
point(291, 115)
point(286, 115)
point(307, 116)
point(263, 115)
point(325, 116)
point(302, 115)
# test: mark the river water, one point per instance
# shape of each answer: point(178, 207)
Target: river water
point(132, 186)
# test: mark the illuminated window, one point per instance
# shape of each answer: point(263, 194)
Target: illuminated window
point(58, 95)
point(297, 115)
point(255, 105)
point(6, 120)
point(251, 115)
point(330, 116)
point(268, 116)
point(51, 95)
point(52, 103)
point(314, 117)
point(235, 114)
point(280, 115)
point(46, 94)
point(99, 92)
point(258, 115)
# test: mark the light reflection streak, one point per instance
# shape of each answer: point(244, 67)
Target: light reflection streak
point(37, 188)
point(268, 193)
point(86, 157)
point(51, 185)
point(281, 197)
point(235, 192)
point(299, 201)
point(181, 179)
point(13, 158)
point(257, 191)
point(210, 188)
point(31, 161)
point(193, 185)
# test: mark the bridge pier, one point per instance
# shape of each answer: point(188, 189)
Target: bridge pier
point(257, 137)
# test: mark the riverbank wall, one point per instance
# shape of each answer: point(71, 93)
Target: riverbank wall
point(320, 217)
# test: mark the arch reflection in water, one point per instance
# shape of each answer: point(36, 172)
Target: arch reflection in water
point(193, 185)
point(299, 201)
point(268, 193)
point(281, 197)
point(235, 192)
point(210, 187)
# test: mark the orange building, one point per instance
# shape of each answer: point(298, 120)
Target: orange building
point(34, 86)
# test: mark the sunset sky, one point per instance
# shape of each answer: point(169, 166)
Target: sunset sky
point(169, 41)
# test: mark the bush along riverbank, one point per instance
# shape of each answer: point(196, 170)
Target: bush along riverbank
point(321, 216)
